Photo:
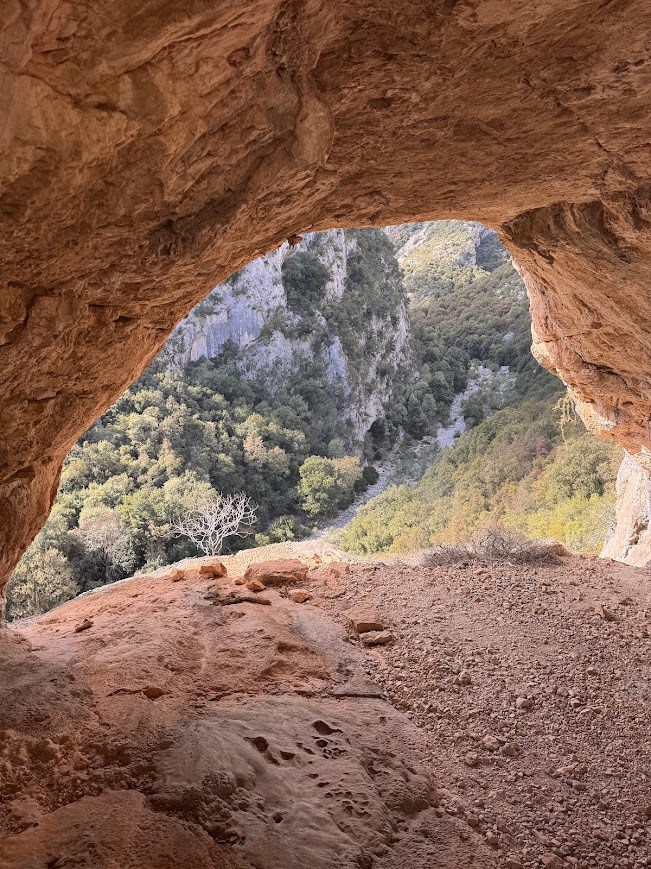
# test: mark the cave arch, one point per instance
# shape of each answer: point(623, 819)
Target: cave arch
point(151, 149)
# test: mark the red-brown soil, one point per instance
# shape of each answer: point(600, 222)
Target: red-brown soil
point(508, 722)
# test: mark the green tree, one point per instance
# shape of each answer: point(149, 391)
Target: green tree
point(42, 580)
point(305, 279)
point(326, 485)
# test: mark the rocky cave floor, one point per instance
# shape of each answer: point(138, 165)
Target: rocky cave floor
point(167, 721)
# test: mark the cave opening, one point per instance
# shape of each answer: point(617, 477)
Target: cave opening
point(341, 365)
point(421, 670)
point(334, 712)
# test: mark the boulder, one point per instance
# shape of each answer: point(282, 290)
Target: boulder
point(377, 638)
point(281, 572)
point(299, 595)
point(363, 619)
point(214, 569)
point(332, 570)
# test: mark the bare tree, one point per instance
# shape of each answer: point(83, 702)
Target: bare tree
point(215, 519)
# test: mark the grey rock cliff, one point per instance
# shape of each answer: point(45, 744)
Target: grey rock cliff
point(273, 336)
point(630, 539)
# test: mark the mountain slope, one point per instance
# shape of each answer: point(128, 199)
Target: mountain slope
point(526, 466)
point(334, 303)
point(519, 469)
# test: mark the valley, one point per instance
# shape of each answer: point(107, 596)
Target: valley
point(293, 380)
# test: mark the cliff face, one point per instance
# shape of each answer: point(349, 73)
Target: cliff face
point(334, 300)
point(630, 539)
point(151, 150)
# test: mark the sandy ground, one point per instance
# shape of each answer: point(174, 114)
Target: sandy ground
point(535, 683)
point(506, 725)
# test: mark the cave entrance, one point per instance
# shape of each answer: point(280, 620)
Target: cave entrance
point(306, 385)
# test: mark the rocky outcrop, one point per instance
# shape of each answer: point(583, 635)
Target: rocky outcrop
point(188, 727)
point(630, 539)
point(150, 150)
point(255, 314)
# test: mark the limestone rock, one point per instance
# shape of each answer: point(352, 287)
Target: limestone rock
point(246, 311)
point(331, 571)
point(174, 575)
point(377, 638)
point(630, 539)
point(280, 572)
point(212, 569)
point(550, 860)
point(270, 747)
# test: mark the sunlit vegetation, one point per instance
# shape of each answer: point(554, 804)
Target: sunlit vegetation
point(171, 439)
point(181, 436)
point(517, 469)
point(468, 304)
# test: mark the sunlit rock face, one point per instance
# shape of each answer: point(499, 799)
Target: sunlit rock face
point(256, 317)
point(630, 539)
point(150, 149)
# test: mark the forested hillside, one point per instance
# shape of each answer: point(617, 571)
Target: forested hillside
point(291, 379)
point(467, 303)
point(522, 469)
point(332, 307)
point(531, 466)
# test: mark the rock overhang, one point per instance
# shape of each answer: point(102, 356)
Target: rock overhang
point(151, 150)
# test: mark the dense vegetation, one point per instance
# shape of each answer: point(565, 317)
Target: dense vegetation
point(527, 467)
point(172, 438)
point(523, 468)
point(180, 435)
point(468, 304)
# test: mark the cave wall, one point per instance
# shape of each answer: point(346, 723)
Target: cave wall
point(629, 540)
point(149, 148)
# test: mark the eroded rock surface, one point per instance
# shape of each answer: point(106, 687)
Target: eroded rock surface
point(277, 572)
point(179, 731)
point(150, 149)
point(506, 720)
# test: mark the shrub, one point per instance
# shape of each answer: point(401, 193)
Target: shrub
point(305, 279)
point(371, 475)
point(495, 545)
